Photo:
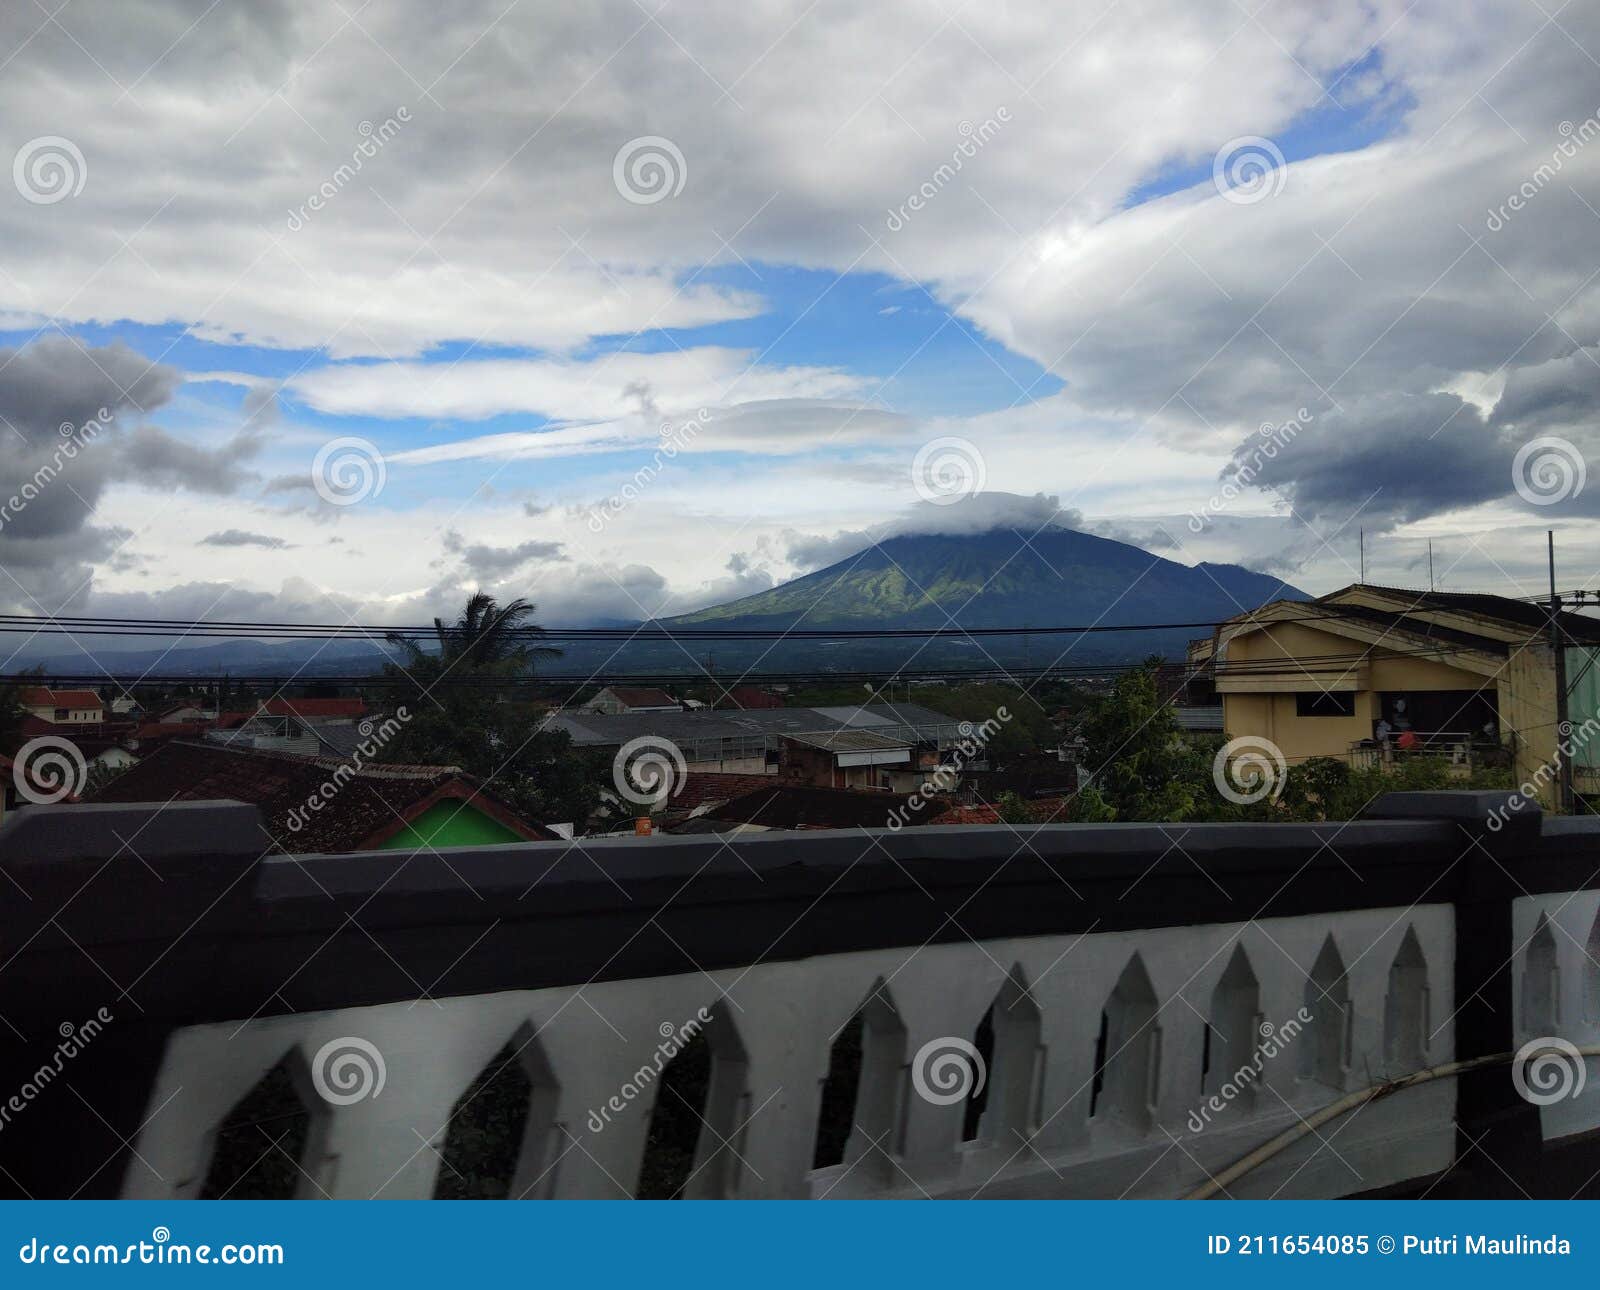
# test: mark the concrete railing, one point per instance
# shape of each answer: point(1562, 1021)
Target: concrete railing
point(1056, 1011)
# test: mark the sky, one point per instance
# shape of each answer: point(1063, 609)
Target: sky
point(633, 307)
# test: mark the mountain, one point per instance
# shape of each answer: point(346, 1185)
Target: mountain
point(1002, 578)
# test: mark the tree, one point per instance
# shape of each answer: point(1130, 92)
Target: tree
point(1143, 767)
point(11, 710)
point(461, 710)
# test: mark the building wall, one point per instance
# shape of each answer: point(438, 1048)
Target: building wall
point(1525, 688)
point(1528, 709)
point(71, 716)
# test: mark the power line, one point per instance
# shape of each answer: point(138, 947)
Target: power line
point(1302, 665)
point(168, 627)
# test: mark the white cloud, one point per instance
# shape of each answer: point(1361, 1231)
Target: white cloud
point(615, 385)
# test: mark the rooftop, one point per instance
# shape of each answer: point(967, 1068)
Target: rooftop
point(320, 707)
point(371, 801)
point(641, 696)
point(42, 696)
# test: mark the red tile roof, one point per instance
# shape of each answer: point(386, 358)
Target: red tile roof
point(968, 815)
point(42, 696)
point(372, 802)
point(700, 787)
point(316, 708)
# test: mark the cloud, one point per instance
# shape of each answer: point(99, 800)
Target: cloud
point(149, 455)
point(491, 564)
point(613, 386)
point(239, 537)
point(777, 427)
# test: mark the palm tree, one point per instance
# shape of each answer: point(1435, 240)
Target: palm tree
point(487, 637)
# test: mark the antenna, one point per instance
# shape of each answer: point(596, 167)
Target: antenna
point(1430, 564)
point(1361, 537)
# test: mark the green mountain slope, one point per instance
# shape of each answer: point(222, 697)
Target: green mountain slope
point(1003, 578)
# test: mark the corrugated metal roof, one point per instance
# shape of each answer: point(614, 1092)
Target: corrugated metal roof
point(909, 721)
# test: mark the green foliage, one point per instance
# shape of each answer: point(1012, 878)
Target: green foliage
point(1011, 808)
point(477, 724)
point(1028, 729)
point(11, 709)
point(1144, 768)
point(1326, 788)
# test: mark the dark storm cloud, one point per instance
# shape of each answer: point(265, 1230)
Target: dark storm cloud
point(55, 382)
point(1392, 458)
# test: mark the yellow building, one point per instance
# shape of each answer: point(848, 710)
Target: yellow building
point(1370, 673)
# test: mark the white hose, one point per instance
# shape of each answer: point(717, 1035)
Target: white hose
point(1349, 1102)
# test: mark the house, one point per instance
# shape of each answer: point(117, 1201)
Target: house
point(699, 791)
point(316, 736)
point(734, 741)
point(327, 804)
point(63, 707)
point(618, 699)
point(1367, 673)
point(105, 745)
point(185, 712)
point(21, 785)
point(844, 758)
point(322, 709)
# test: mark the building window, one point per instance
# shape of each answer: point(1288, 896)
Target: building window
point(1316, 703)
